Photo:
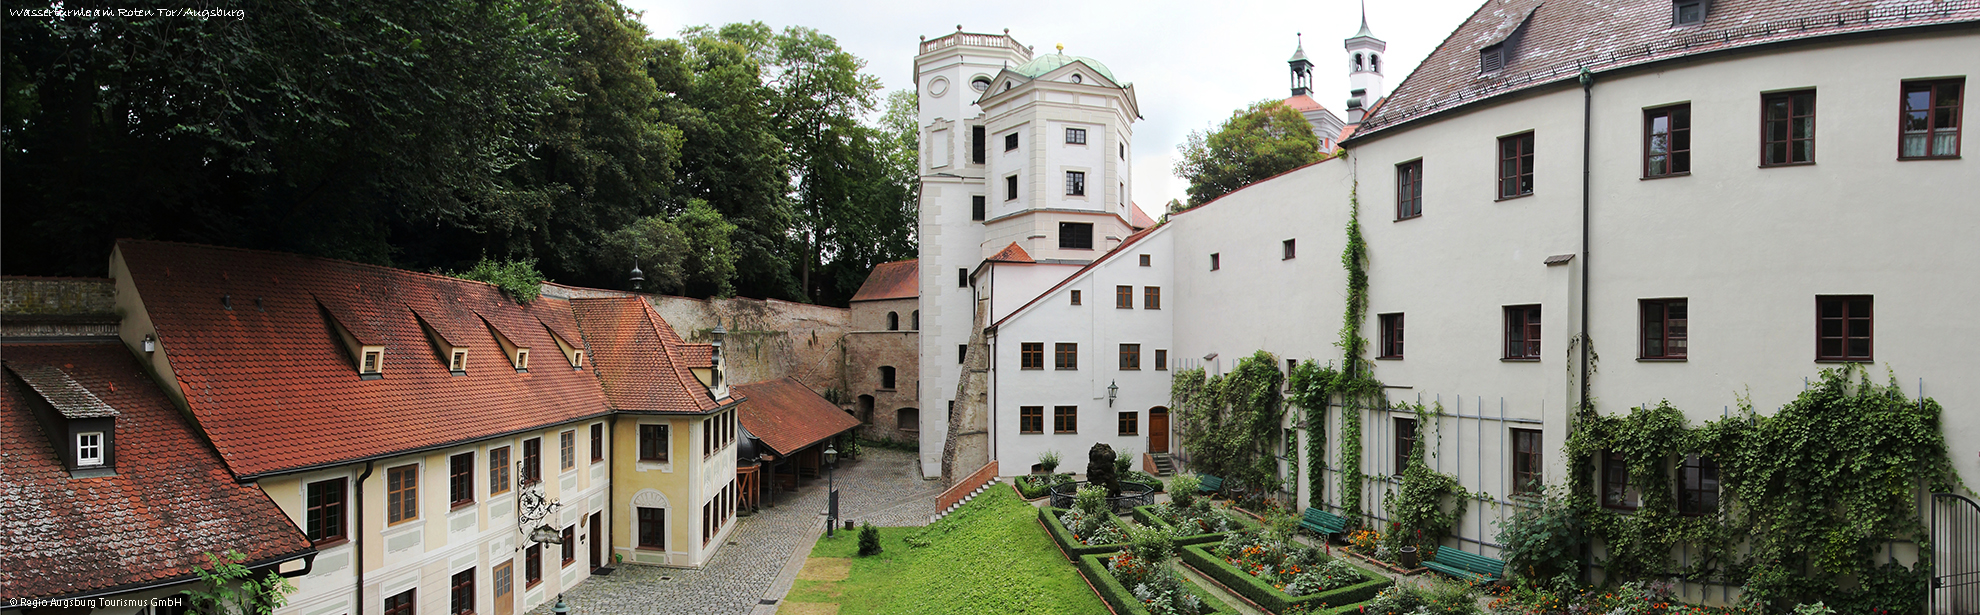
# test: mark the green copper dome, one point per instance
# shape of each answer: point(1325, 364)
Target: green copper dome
point(1051, 62)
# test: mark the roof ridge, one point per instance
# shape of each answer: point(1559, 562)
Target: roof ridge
point(389, 268)
point(1120, 249)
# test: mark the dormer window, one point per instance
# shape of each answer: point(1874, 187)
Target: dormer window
point(89, 449)
point(577, 359)
point(1491, 59)
point(522, 358)
point(459, 362)
point(1688, 12)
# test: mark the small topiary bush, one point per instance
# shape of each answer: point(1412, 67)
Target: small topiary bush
point(869, 540)
point(1049, 460)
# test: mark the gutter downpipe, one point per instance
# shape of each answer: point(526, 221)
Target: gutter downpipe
point(1587, 138)
point(359, 599)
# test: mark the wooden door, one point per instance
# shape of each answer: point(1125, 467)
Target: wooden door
point(505, 599)
point(1158, 430)
point(597, 530)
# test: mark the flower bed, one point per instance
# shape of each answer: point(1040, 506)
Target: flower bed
point(1270, 596)
point(1074, 544)
point(1210, 525)
point(1123, 599)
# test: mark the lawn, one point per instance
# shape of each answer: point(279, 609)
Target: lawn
point(988, 557)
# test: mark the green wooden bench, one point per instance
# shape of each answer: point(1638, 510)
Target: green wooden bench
point(1323, 522)
point(1455, 562)
point(1209, 484)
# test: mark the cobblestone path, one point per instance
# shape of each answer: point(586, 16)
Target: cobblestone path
point(884, 487)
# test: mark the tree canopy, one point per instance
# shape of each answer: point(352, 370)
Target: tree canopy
point(1265, 139)
point(433, 136)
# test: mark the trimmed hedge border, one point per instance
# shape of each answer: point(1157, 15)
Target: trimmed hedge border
point(1146, 516)
point(1095, 568)
point(1073, 548)
point(1271, 598)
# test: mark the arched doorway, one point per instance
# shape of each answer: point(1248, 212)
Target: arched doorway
point(1158, 430)
point(865, 414)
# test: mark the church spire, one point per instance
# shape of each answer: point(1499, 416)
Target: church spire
point(1302, 69)
point(1364, 22)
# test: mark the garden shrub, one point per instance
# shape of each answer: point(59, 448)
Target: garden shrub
point(1123, 462)
point(1544, 541)
point(869, 540)
point(1182, 489)
point(1049, 460)
point(1441, 599)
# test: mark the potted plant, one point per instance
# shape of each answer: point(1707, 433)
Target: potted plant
point(1049, 460)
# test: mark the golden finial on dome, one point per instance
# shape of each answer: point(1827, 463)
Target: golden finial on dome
point(1062, 48)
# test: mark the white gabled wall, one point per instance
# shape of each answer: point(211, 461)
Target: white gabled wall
point(1099, 327)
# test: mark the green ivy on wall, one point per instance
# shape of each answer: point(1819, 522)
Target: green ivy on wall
point(1312, 389)
point(1418, 504)
point(1231, 421)
point(1809, 494)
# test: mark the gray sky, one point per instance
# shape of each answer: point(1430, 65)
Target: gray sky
point(1192, 63)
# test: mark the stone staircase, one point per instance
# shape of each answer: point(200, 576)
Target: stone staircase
point(1164, 466)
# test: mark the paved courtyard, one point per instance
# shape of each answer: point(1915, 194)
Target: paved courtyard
point(883, 487)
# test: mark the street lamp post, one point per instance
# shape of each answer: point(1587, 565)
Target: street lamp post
point(831, 490)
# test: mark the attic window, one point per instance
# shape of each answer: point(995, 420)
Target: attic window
point(577, 358)
point(522, 358)
point(89, 449)
point(1688, 12)
point(371, 358)
point(1078, 79)
point(1491, 59)
point(459, 362)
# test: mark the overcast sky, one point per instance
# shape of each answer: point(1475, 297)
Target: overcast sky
point(1192, 62)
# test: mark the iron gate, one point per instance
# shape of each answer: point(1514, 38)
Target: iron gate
point(1955, 555)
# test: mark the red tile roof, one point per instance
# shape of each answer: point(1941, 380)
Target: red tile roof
point(699, 356)
point(641, 362)
point(1011, 254)
point(170, 501)
point(787, 416)
point(1139, 219)
point(1303, 102)
point(1565, 36)
point(276, 391)
point(895, 280)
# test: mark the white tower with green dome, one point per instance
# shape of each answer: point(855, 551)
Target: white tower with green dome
point(1016, 150)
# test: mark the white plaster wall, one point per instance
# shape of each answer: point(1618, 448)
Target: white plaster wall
point(1099, 328)
point(949, 240)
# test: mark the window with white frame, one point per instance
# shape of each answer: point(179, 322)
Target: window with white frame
point(89, 448)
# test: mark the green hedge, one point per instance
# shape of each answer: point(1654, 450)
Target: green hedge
point(1146, 515)
point(1271, 598)
point(1111, 590)
point(1074, 549)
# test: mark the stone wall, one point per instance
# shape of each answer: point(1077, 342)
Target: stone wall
point(767, 338)
point(871, 346)
point(57, 307)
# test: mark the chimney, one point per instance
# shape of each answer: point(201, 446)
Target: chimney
point(1357, 105)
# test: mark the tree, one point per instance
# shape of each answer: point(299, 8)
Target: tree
point(228, 588)
point(1266, 139)
point(693, 251)
point(321, 127)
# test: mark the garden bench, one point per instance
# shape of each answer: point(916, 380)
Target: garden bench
point(1210, 484)
point(1323, 522)
point(1457, 563)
